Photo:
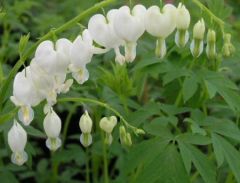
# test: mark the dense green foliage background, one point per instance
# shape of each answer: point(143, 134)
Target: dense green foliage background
point(190, 114)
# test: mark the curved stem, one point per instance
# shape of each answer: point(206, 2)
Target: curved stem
point(105, 105)
point(58, 30)
point(219, 21)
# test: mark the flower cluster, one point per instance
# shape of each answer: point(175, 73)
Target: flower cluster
point(46, 76)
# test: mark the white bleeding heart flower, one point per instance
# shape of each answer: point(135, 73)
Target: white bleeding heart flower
point(160, 23)
point(129, 26)
point(17, 139)
point(103, 33)
point(54, 61)
point(182, 22)
point(81, 54)
point(196, 46)
point(107, 124)
point(52, 126)
point(80, 74)
point(85, 125)
point(44, 83)
point(25, 95)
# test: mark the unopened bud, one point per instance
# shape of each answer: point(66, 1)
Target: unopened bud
point(199, 30)
point(228, 48)
point(108, 123)
point(211, 47)
point(85, 123)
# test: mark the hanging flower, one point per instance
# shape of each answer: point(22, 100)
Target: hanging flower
point(85, 125)
point(107, 124)
point(102, 31)
point(160, 23)
point(25, 95)
point(182, 23)
point(52, 126)
point(196, 46)
point(17, 139)
point(129, 26)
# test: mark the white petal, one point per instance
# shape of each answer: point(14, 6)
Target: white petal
point(19, 158)
point(25, 115)
point(81, 75)
point(53, 143)
point(17, 137)
point(52, 124)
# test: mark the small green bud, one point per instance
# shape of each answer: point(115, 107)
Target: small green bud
point(125, 137)
point(140, 131)
point(228, 48)
point(211, 47)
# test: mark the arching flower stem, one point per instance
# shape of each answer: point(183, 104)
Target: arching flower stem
point(102, 104)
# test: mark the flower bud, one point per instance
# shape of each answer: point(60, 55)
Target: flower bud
point(125, 137)
point(211, 47)
point(108, 123)
point(85, 123)
point(183, 16)
point(196, 46)
point(199, 30)
point(228, 48)
point(52, 127)
point(52, 124)
point(17, 139)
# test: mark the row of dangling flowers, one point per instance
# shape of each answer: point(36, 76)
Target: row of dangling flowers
point(46, 75)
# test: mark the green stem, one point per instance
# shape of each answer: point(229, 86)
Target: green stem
point(219, 21)
point(87, 166)
point(105, 105)
point(66, 124)
point(54, 169)
point(58, 30)
point(105, 163)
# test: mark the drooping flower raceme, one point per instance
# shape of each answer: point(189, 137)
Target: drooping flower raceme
point(182, 23)
point(129, 26)
point(52, 126)
point(160, 23)
point(17, 139)
point(107, 124)
point(85, 125)
point(103, 33)
point(196, 46)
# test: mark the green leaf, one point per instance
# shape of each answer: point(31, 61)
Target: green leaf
point(230, 153)
point(217, 150)
point(190, 86)
point(204, 166)
point(195, 139)
point(223, 127)
point(159, 129)
point(135, 156)
point(167, 167)
point(35, 132)
point(6, 117)
point(185, 153)
point(174, 74)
